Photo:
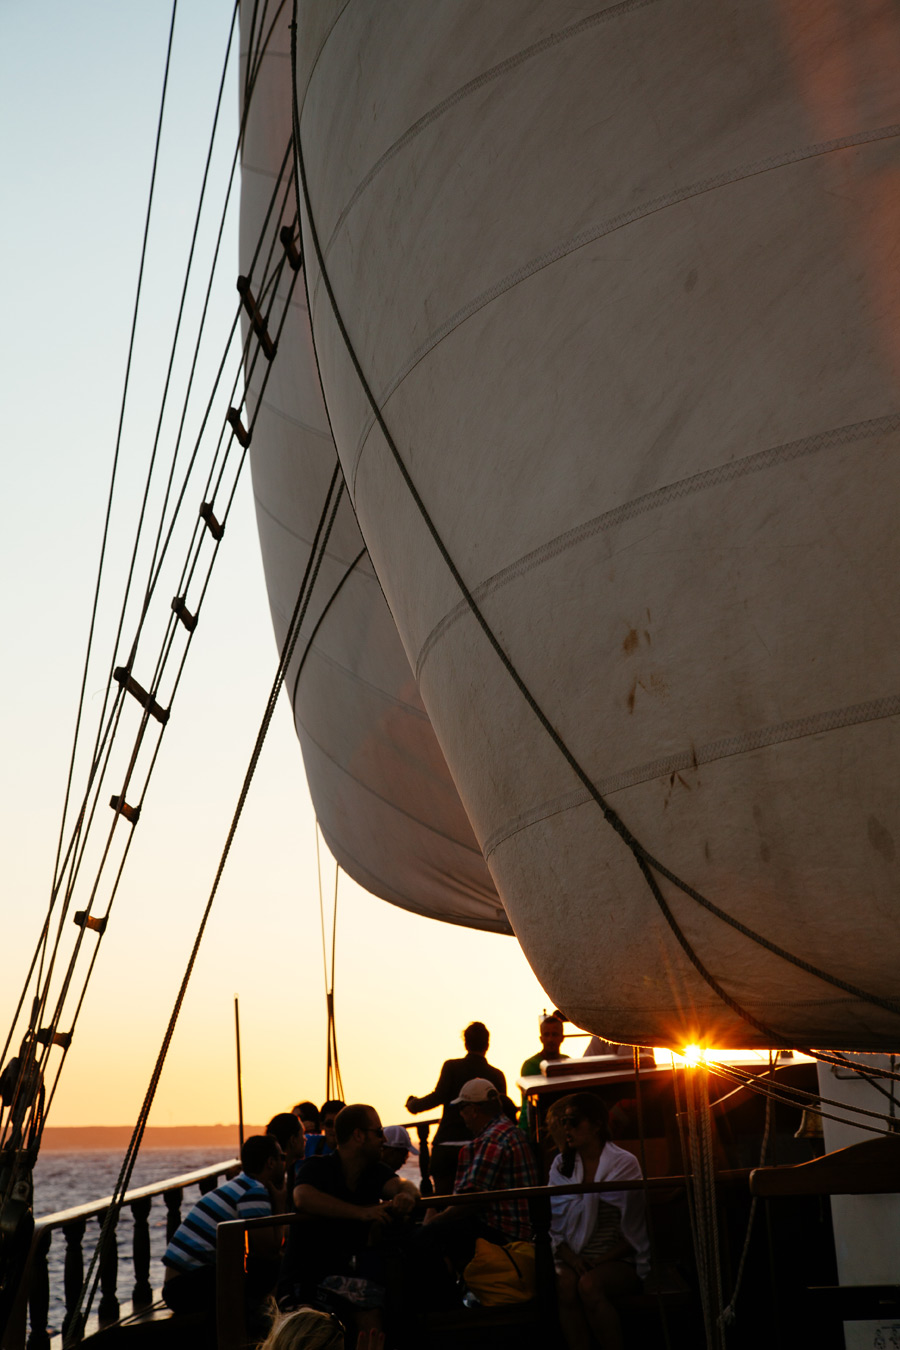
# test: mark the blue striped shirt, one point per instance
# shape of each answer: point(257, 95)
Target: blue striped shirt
point(194, 1243)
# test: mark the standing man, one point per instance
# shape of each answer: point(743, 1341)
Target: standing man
point(498, 1159)
point(190, 1258)
point(552, 1036)
point(451, 1130)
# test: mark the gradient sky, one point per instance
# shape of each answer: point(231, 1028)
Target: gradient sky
point(79, 97)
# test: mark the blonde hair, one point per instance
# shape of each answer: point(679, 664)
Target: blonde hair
point(306, 1329)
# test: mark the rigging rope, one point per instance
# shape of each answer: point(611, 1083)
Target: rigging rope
point(109, 738)
point(644, 859)
point(307, 585)
point(800, 1099)
point(334, 1087)
point(175, 687)
point(729, 1313)
point(99, 763)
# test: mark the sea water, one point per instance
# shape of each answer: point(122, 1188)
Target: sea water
point(64, 1180)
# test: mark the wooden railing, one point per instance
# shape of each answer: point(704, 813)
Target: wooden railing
point(73, 1223)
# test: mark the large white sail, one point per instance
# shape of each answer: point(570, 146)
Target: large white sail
point(382, 792)
point(620, 282)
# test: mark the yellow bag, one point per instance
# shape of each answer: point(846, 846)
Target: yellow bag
point(501, 1274)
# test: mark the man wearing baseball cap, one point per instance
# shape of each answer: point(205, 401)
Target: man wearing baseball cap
point(499, 1158)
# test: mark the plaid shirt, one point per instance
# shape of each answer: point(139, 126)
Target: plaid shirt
point(497, 1160)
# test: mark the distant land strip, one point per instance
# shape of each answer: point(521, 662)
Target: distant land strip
point(71, 1138)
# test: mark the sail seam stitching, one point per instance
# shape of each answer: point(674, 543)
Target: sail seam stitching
point(758, 462)
point(409, 903)
point(797, 729)
point(472, 87)
point(393, 806)
point(648, 865)
point(600, 230)
point(391, 700)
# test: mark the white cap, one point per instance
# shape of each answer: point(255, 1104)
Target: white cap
point(476, 1090)
point(397, 1136)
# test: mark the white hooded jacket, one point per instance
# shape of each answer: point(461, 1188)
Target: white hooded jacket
point(575, 1216)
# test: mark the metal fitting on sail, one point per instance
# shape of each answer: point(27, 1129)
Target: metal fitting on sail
point(124, 678)
point(256, 317)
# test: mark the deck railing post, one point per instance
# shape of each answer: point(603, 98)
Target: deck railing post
point(142, 1294)
point(173, 1201)
point(108, 1310)
point(39, 1294)
point(231, 1320)
point(73, 1270)
point(427, 1185)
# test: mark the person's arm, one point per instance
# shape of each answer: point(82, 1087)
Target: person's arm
point(443, 1093)
point(401, 1195)
point(319, 1205)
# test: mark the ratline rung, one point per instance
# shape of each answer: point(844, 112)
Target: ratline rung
point(294, 256)
point(206, 514)
point(85, 920)
point(256, 318)
point(180, 609)
point(46, 1036)
point(123, 677)
point(242, 435)
point(131, 813)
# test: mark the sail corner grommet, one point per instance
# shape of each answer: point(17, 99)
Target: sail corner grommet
point(131, 813)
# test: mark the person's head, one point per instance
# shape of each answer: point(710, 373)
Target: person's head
point(308, 1115)
point(476, 1038)
point(552, 1035)
point(288, 1130)
point(554, 1123)
point(359, 1133)
point(329, 1115)
point(262, 1157)
point(306, 1329)
point(397, 1147)
point(585, 1122)
point(479, 1103)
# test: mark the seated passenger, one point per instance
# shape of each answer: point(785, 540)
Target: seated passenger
point(397, 1147)
point(318, 1145)
point(190, 1258)
point(288, 1130)
point(308, 1115)
point(498, 1159)
point(344, 1198)
point(600, 1242)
